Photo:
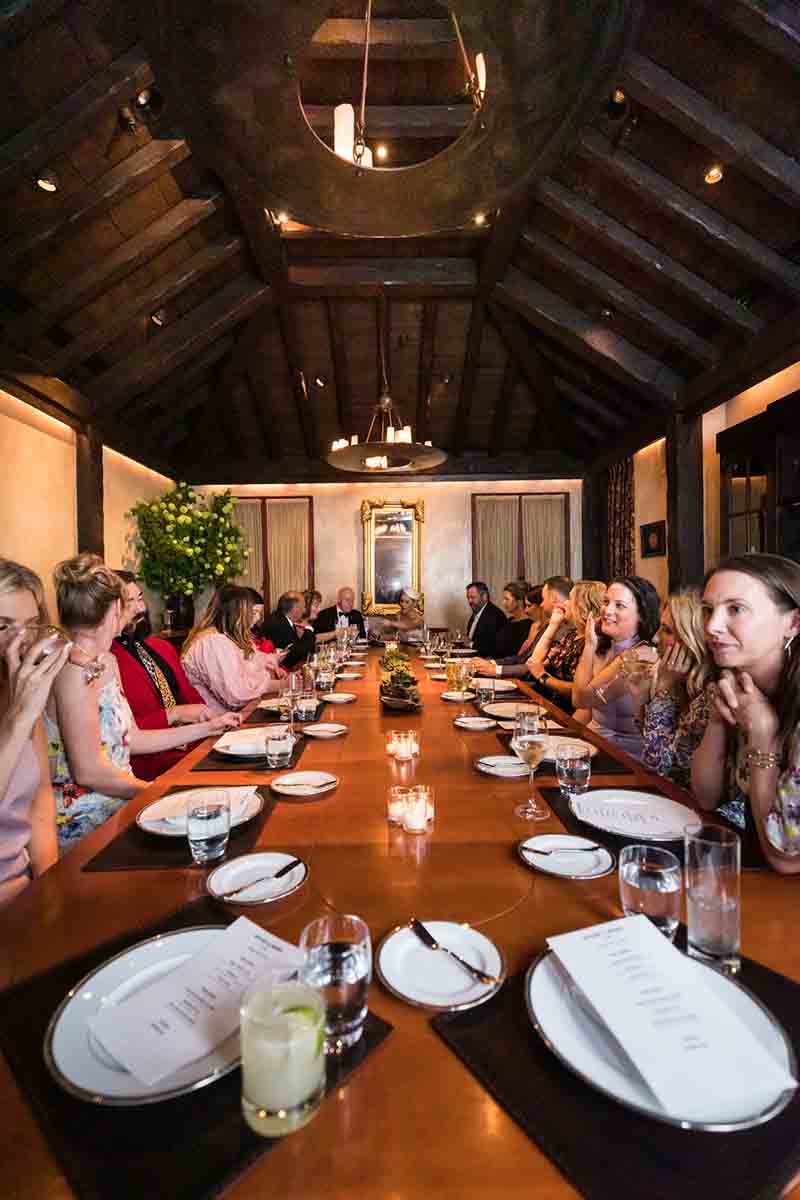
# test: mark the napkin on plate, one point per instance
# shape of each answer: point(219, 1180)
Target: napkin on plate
point(172, 808)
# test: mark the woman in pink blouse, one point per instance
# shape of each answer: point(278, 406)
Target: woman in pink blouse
point(219, 656)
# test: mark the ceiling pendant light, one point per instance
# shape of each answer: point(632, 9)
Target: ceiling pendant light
point(349, 133)
point(389, 447)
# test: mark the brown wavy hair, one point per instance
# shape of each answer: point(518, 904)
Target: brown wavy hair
point(588, 597)
point(686, 613)
point(85, 590)
point(229, 612)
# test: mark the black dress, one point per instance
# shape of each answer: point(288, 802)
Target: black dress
point(510, 637)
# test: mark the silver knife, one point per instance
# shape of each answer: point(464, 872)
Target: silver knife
point(427, 939)
point(285, 869)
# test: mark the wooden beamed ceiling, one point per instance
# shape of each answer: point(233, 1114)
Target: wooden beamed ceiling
point(570, 328)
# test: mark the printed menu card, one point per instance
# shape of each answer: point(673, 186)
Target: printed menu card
point(185, 1014)
point(691, 1049)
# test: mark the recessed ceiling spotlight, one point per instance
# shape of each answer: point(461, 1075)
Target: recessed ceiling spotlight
point(159, 317)
point(150, 102)
point(607, 314)
point(480, 218)
point(47, 181)
point(320, 381)
point(617, 104)
point(381, 152)
point(282, 218)
point(714, 173)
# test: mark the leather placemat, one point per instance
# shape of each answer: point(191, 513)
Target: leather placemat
point(605, 1150)
point(214, 761)
point(602, 763)
point(264, 716)
point(135, 850)
point(191, 1148)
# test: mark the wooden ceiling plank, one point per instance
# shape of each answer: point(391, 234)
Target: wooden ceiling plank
point(128, 257)
point(213, 255)
point(723, 235)
point(176, 344)
point(586, 403)
point(590, 339)
point(124, 179)
point(341, 370)
point(647, 257)
point(503, 406)
point(626, 443)
point(185, 378)
point(427, 351)
point(731, 140)
point(592, 380)
point(469, 375)
point(368, 277)
point(21, 20)
point(261, 383)
point(392, 39)
point(620, 296)
point(180, 405)
point(769, 28)
point(400, 121)
point(62, 125)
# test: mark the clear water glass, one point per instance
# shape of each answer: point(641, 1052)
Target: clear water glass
point(650, 883)
point(338, 962)
point(713, 870)
point(208, 824)
point(283, 1055)
point(279, 747)
point(573, 768)
point(484, 691)
point(326, 678)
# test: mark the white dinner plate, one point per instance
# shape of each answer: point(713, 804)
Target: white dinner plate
point(509, 708)
point(582, 1042)
point(246, 743)
point(236, 873)
point(325, 729)
point(79, 1063)
point(552, 741)
point(633, 814)
point(304, 783)
point(339, 697)
point(348, 674)
point(458, 697)
point(500, 685)
point(505, 766)
point(477, 723)
point(432, 979)
point(167, 816)
point(566, 858)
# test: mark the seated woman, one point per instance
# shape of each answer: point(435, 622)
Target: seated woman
point(154, 682)
point(312, 603)
point(516, 665)
point(512, 635)
point(220, 659)
point(262, 643)
point(91, 731)
point(628, 624)
point(747, 767)
point(28, 843)
point(409, 620)
point(553, 663)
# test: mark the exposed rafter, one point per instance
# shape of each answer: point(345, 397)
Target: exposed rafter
point(770, 27)
point(427, 348)
point(341, 370)
point(370, 277)
point(187, 377)
point(396, 39)
point(594, 380)
point(610, 418)
point(421, 122)
point(503, 406)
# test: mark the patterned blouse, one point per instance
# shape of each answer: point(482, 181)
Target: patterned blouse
point(79, 810)
point(737, 807)
point(563, 657)
point(671, 736)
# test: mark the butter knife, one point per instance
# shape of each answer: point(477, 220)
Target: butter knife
point(285, 869)
point(427, 939)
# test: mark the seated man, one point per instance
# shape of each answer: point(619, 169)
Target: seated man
point(343, 612)
point(285, 630)
point(485, 621)
point(555, 591)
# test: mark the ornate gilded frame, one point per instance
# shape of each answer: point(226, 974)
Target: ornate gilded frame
point(370, 511)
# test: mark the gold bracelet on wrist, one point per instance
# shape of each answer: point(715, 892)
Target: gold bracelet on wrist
point(664, 693)
point(762, 758)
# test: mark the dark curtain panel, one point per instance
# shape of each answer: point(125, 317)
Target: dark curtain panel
point(620, 519)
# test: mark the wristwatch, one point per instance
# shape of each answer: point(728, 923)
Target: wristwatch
point(543, 678)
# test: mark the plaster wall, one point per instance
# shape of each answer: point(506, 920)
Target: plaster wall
point(650, 497)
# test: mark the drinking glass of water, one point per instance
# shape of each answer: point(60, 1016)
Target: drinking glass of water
point(338, 961)
point(279, 744)
point(713, 864)
point(208, 824)
point(573, 767)
point(650, 883)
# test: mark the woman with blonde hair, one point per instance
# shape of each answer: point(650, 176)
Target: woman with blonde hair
point(90, 728)
point(31, 656)
point(552, 663)
point(219, 656)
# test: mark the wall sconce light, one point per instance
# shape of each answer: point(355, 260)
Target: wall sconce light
point(714, 173)
point(607, 314)
point(47, 181)
point(617, 104)
point(381, 152)
point(150, 103)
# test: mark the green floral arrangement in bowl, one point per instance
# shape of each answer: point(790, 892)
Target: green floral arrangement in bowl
point(399, 688)
point(188, 541)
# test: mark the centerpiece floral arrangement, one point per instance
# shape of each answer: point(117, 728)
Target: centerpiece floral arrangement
point(187, 541)
point(398, 682)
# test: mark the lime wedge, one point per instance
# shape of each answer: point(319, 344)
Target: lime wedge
point(302, 1010)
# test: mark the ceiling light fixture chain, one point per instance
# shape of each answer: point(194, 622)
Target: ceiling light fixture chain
point(473, 85)
point(360, 143)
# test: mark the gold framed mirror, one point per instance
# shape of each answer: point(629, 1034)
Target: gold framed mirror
point(392, 552)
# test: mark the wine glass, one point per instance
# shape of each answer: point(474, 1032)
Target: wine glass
point(531, 748)
point(464, 678)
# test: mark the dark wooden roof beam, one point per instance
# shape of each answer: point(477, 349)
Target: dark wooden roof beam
point(393, 39)
point(400, 121)
point(503, 406)
point(427, 350)
point(469, 377)
point(593, 380)
point(187, 377)
point(774, 27)
point(582, 402)
point(454, 278)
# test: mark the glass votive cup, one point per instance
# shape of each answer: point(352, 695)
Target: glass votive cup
point(396, 797)
point(415, 738)
point(404, 747)
point(415, 813)
point(426, 792)
point(391, 741)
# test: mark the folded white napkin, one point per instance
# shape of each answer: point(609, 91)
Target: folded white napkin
point(172, 809)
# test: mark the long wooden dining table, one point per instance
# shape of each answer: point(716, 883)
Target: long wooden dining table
point(412, 1121)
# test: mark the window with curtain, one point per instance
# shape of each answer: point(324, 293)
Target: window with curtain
point(280, 536)
point(519, 536)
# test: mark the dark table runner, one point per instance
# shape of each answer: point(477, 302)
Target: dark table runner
point(214, 761)
point(605, 1150)
point(135, 850)
point(602, 763)
point(191, 1148)
point(264, 716)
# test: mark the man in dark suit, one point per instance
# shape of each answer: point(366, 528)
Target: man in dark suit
point(284, 628)
point(485, 621)
point(343, 612)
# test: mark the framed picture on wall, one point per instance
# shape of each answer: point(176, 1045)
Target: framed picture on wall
point(653, 539)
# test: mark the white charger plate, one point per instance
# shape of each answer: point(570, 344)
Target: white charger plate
point(633, 814)
point(458, 697)
point(78, 1062)
point(584, 1045)
point(569, 862)
point(167, 816)
point(325, 729)
point(339, 697)
point(476, 723)
point(500, 685)
point(348, 674)
point(235, 874)
point(508, 708)
point(305, 783)
point(504, 766)
point(432, 979)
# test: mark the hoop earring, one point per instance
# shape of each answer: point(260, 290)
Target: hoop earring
point(787, 645)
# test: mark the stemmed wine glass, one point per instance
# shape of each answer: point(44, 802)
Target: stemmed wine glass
point(529, 745)
point(464, 678)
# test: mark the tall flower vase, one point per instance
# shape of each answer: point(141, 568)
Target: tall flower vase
point(182, 609)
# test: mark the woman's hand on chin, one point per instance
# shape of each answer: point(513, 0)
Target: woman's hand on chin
point(741, 703)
